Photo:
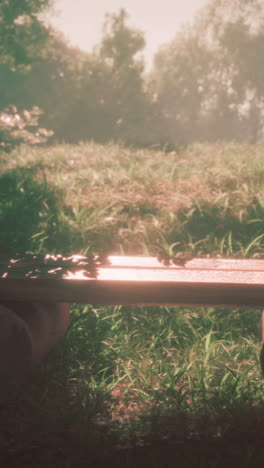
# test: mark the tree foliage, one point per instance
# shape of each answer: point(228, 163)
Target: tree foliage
point(21, 32)
point(207, 84)
point(119, 51)
point(105, 96)
point(178, 81)
point(21, 37)
point(209, 81)
point(236, 31)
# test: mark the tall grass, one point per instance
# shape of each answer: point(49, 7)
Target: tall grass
point(137, 374)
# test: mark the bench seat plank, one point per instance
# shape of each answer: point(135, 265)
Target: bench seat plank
point(133, 280)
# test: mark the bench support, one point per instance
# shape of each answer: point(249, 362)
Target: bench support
point(28, 332)
point(261, 357)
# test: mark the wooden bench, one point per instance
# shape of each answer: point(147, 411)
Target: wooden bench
point(126, 280)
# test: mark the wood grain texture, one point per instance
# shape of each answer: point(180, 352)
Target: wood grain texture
point(133, 280)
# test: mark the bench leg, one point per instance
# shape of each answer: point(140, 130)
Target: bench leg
point(28, 332)
point(261, 357)
point(15, 347)
point(47, 323)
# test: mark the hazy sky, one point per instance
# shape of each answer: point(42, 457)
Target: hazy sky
point(81, 20)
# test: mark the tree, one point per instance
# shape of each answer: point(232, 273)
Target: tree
point(236, 32)
point(127, 101)
point(53, 82)
point(209, 81)
point(110, 100)
point(84, 100)
point(178, 80)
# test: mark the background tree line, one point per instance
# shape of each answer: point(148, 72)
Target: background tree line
point(207, 84)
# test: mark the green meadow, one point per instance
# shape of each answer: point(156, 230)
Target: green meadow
point(129, 383)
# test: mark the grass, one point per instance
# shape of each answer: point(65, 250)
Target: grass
point(131, 385)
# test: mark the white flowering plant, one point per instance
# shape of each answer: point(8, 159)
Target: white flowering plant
point(17, 127)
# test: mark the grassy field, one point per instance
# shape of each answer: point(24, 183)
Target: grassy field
point(133, 386)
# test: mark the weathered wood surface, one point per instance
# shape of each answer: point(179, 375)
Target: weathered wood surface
point(133, 280)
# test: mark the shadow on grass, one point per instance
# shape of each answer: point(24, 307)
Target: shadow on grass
point(34, 217)
point(30, 214)
point(38, 433)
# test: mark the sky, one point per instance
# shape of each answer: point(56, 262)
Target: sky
point(81, 20)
